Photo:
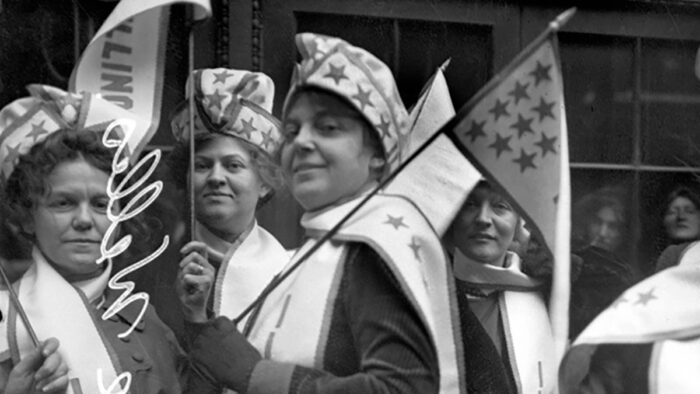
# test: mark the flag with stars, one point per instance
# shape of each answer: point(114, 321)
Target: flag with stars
point(659, 309)
point(514, 132)
point(124, 62)
point(439, 179)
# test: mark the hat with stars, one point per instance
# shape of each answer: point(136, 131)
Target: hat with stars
point(232, 102)
point(28, 121)
point(359, 77)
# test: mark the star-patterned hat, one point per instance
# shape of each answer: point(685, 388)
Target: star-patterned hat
point(334, 65)
point(232, 102)
point(30, 120)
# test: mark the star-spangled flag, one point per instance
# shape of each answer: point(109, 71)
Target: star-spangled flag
point(124, 62)
point(514, 132)
point(440, 178)
point(661, 309)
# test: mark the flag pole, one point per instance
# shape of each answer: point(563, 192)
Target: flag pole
point(553, 27)
point(15, 301)
point(257, 303)
point(190, 102)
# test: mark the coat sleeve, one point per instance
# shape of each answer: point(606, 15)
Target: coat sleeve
point(377, 341)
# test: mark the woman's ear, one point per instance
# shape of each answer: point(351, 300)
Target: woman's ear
point(264, 191)
point(377, 163)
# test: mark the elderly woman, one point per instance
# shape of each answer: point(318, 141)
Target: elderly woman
point(235, 136)
point(369, 310)
point(56, 170)
point(505, 301)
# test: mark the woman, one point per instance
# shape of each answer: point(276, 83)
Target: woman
point(681, 223)
point(600, 228)
point(505, 301)
point(235, 136)
point(56, 170)
point(369, 311)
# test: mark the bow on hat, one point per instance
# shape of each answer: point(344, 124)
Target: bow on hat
point(232, 102)
point(334, 65)
point(28, 121)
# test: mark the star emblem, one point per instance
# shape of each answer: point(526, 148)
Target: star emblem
point(362, 97)
point(336, 73)
point(396, 222)
point(12, 153)
point(644, 298)
point(546, 144)
point(222, 76)
point(215, 99)
point(415, 247)
point(501, 145)
point(267, 138)
point(37, 131)
point(499, 109)
point(476, 131)
point(541, 73)
point(523, 125)
point(384, 127)
point(519, 92)
point(525, 160)
point(544, 109)
point(248, 127)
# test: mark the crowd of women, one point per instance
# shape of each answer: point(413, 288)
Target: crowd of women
point(378, 304)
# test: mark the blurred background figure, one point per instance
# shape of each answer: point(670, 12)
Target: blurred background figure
point(681, 223)
point(600, 271)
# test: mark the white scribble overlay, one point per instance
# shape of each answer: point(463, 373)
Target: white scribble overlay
point(135, 206)
point(123, 389)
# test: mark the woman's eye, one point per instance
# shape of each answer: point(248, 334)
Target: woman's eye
point(328, 127)
point(62, 203)
point(290, 131)
point(234, 165)
point(101, 204)
point(200, 165)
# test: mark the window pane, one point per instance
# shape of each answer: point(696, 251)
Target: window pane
point(597, 73)
point(670, 103)
point(468, 46)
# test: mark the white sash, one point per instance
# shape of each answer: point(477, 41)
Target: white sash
point(246, 270)
point(526, 327)
point(293, 323)
point(56, 308)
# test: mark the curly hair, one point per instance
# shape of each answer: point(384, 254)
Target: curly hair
point(585, 211)
point(267, 170)
point(29, 180)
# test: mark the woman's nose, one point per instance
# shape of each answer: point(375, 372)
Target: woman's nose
point(304, 138)
point(82, 220)
point(483, 215)
point(216, 175)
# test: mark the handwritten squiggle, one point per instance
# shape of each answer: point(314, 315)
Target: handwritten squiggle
point(120, 163)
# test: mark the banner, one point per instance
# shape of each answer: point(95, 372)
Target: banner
point(124, 62)
point(514, 132)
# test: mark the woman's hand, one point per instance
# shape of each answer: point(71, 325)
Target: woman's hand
point(194, 281)
point(41, 371)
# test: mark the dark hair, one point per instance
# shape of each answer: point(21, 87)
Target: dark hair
point(28, 181)
point(265, 167)
point(370, 135)
point(585, 209)
point(682, 191)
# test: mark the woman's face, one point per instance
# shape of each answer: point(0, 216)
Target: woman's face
point(325, 157)
point(71, 219)
point(605, 229)
point(226, 184)
point(682, 220)
point(485, 226)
